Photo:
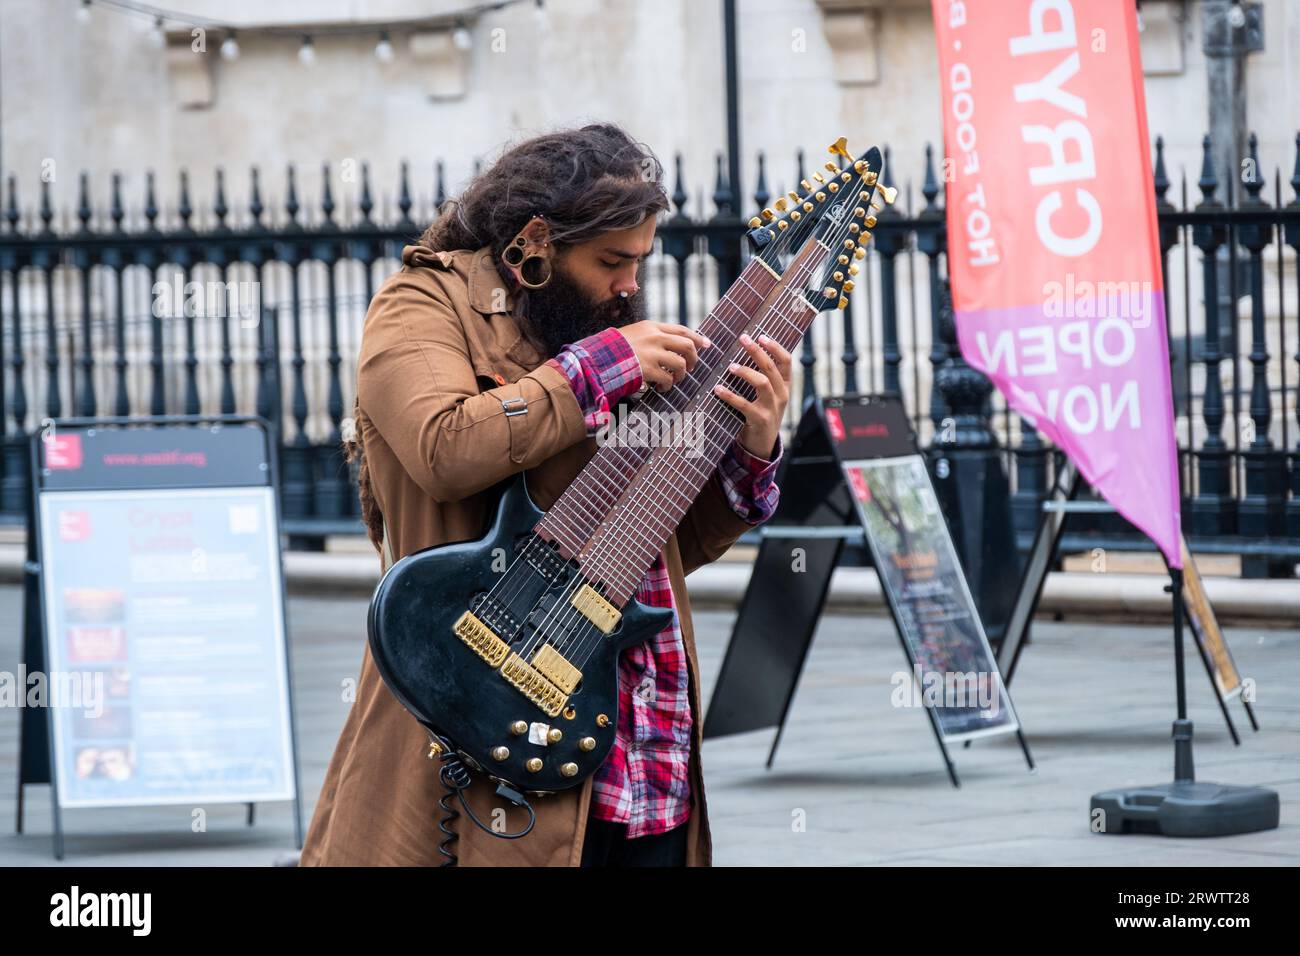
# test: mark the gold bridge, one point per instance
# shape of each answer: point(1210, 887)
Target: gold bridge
point(547, 681)
point(481, 639)
point(533, 685)
point(596, 609)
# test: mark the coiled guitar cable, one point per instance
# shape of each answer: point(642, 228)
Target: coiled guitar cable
point(456, 779)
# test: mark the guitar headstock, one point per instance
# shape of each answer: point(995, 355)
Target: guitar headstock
point(837, 210)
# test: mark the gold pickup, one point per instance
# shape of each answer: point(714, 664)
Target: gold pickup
point(480, 637)
point(533, 685)
point(556, 668)
point(596, 609)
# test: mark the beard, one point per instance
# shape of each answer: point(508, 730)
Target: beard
point(561, 313)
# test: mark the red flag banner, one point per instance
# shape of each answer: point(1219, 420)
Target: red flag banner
point(1053, 252)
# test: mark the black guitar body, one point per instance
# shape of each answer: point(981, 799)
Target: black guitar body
point(456, 693)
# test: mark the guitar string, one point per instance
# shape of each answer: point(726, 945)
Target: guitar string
point(667, 467)
point(570, 507)
point(627, 536)
point(715, 431)
point(670, 461)
point(563, 508)
point(580, 508)
point(564, 505)
point(670, 465)
point(547, 626)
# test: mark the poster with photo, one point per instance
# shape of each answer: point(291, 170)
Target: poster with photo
point(166, 647)
point(925, 586)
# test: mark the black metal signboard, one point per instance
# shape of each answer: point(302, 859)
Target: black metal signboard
point(155, 617)
point(854, 469)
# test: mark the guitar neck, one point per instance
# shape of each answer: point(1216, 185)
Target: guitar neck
point(578, 512)
point(618, 513)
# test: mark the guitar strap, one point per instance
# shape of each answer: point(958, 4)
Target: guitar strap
point(387, 548)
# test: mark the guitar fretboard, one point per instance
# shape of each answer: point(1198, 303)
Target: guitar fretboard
point(576, 514)
point(622, 507)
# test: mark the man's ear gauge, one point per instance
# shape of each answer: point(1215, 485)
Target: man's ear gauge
point(513, 254)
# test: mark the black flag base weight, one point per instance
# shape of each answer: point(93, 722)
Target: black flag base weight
point(1184, 808)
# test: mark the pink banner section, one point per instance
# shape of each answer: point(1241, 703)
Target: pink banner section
point(1080, 381)
point(1053, 252)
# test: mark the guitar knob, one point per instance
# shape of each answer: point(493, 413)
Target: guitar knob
point(519, 727)
point(534, 764)
point(500, 753)
point(602, 720)
point(587, 743)
point(569, 769)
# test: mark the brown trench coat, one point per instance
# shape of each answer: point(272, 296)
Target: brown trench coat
point(440, 351)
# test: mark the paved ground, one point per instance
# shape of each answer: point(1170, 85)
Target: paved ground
point(864, 777)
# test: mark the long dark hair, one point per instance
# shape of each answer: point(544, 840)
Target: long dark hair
point(583, 182)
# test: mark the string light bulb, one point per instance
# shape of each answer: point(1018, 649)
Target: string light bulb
point(83, 12)
point(461, 38)
point(157, 38)
point(306, 52)
point(384, 49)
point(230, 47)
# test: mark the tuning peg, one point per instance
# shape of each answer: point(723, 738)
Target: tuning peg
point(870, 222)
point(844, 302)
point(807, 186)
point(794, 197)
point(859, 253)
point(889, 192)
point(841, 148)
point(831, 168)
point(819, 177)
point(853, 270)
point(755, 223)
point(780, 204)
point(768, 215)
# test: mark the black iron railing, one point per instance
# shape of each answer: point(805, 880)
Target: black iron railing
point(260, 310)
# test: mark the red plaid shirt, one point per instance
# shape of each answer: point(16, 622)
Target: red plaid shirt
point(645, 781)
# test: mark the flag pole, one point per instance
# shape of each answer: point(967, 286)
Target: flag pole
point(1184, 808)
